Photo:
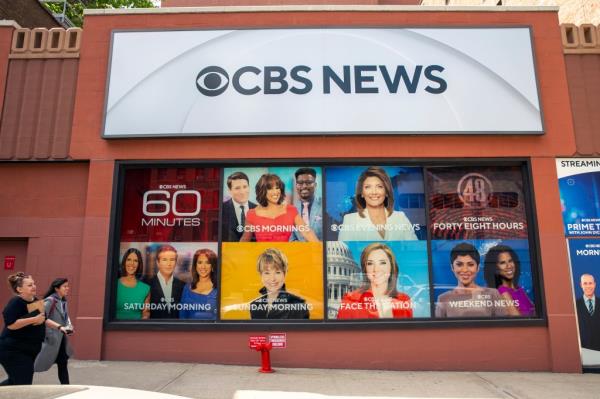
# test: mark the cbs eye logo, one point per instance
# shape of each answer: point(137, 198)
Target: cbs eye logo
point(212, 81)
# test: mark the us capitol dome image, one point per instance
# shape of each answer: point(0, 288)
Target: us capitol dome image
point(343, 275)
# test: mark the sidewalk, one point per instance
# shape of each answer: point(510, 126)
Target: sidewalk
point(207, 381)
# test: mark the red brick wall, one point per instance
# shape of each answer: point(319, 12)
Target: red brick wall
point(583, 71)
point(44, 203)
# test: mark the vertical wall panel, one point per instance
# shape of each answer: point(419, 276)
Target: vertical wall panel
point(64, 109)
point(38, 109)
point(11, 111)
point(34, 73)
point(583, 75)
point(46, 115)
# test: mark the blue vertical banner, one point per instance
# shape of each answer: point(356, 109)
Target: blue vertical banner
point(579, 184)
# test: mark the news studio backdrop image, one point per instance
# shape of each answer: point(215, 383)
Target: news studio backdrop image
point(313, 242)
point(168, 242)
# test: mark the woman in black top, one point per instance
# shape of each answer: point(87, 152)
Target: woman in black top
point(24, 331)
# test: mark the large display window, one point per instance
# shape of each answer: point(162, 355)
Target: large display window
point(322, 243)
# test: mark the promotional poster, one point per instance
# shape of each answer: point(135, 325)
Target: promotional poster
point(377, 280)
point(482, 279)
point(476, 203)
point(279, 204)
point(170, 204)
point(353, 192)
point(579, 183)
point(181, 264)
point(272, 281)
point(585, 269)
point(168, 252)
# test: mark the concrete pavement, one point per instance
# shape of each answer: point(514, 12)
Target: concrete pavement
point(208, 381)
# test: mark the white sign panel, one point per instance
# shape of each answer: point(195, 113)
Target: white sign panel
point(322, 81)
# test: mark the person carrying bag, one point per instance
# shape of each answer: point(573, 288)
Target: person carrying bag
point(23, 331)
point(56, 347)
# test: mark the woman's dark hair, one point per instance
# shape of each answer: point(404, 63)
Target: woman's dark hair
point(465, 249)
point(212, 259)
point(140, 268)
point(490, 268)
point(16, 280)
point(374, 171)
point(55, 285)
point(364, 257)
point(268, 181)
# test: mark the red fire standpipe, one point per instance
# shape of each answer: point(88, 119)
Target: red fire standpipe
point(265, 357)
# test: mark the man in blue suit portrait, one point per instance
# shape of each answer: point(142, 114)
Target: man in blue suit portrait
point(309, 207)
point(236, 207)
point(588, 313)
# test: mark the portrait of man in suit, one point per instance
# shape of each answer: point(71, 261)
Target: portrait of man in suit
point(165, 288)
point(236, 208)
point(588, 313)
point(308, 205)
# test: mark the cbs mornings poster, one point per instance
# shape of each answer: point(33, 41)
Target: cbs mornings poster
point(168, 252)
point(579, 184)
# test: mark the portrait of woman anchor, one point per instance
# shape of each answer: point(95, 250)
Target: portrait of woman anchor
point(273, 219)
point(375, 218)
point(275, 302)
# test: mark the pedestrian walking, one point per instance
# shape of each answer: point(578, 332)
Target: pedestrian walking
point(24, 330)
point(56, 347)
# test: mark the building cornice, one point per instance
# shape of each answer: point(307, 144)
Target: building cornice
point(317, 8)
